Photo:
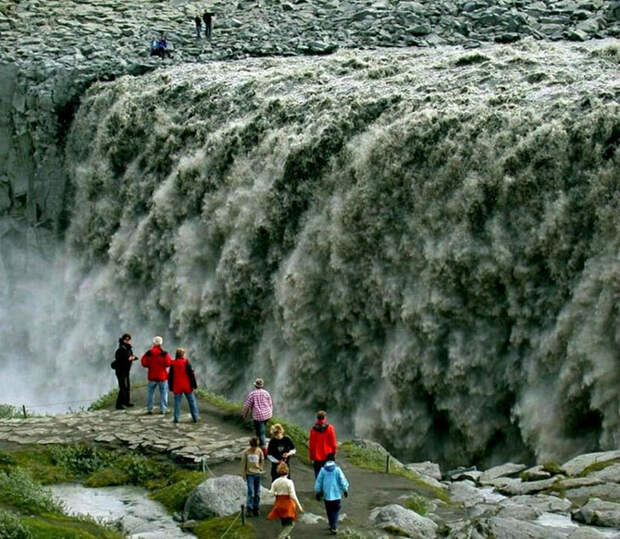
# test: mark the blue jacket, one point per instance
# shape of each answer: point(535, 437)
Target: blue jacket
point(331, 482)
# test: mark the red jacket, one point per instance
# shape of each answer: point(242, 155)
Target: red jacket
point(181, 377)
point(322, 440)
point(157, 362)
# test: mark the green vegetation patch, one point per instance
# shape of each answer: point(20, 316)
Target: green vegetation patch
point(598, 466)
point(552, 467)
point(419, 504)
point(173, 494)
point(217, 527)
point(55, 526)
point(11, 527)
point(8, 412)
point(18, 490)
point(374, 460)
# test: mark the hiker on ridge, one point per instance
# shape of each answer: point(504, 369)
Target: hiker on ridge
point(207, 17)
point(198, 22)
point(259, 401)
point(182, 381)
point(322, 442)
point(123, 358)
point(330, 485)
point(157, 361)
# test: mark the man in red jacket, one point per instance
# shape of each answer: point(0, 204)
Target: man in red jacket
point(157, 361)
point(322, 442)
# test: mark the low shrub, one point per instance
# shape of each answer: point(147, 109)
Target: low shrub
point(8, 412)
point(173, 495)
point(419, 504)
point(12, 528)
point(80, 459)
point(20, 491)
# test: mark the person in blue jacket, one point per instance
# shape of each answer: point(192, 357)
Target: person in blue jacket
point(331, 484)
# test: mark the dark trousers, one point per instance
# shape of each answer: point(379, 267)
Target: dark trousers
point(123, 389)
point(318, 464)
point(332, 508)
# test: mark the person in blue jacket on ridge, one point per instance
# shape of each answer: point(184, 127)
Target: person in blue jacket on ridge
point(331, 484)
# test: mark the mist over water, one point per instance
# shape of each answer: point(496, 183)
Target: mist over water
point(426, 244)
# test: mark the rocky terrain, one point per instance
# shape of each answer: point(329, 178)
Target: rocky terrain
point(579, 499)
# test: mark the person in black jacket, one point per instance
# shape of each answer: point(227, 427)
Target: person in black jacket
point(207, 17)
point(123, 359)
point(280, 449)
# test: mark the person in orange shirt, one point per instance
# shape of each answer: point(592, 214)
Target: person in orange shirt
point(322, 442)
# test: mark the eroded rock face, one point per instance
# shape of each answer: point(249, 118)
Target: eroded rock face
point(599, 513)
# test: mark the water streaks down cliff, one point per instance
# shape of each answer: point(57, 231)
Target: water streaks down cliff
point(427, 244)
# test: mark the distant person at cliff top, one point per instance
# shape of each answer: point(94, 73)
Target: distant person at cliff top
point(259, 401)
point(182, 381)
point(207, 17)
point(322, 442)
point(157, 361)
point(123, 358)
point(198, 22)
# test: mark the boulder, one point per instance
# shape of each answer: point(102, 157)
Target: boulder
point(511, 528)
point(219, 496)
point(599, 513)
point(606, 491)
point(544, 503)
point(578, 464)
point(427, 468)
point(611, 474)
point(535, 473)
point(400, 521)
point(503, 470)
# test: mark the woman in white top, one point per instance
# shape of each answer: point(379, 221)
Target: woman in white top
point(287, 504)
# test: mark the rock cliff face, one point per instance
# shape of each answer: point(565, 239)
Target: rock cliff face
point(422, 240)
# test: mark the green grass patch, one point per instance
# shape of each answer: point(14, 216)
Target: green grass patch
point(56, 526)
point(8, 412)
point(173, 494)
point(419, 504)
point(598, 466)
point(231, 525)
point(105, 401)
point(552, 467)
point(374, 460)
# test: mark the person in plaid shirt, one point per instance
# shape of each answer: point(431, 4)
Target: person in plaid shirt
point(259, 401)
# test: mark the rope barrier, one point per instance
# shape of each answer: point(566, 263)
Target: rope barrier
point(231, 524)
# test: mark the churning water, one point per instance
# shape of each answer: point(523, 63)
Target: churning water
point(425, 243)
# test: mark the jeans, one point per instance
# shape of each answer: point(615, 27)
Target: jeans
point(163, 395)
point(259, 428)
point(253, 500)
point(198, 32)
point(191, 400)
point(332, 508)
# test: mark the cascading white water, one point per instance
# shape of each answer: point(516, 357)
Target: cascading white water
point(426, 244)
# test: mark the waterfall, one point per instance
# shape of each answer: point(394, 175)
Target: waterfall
point(424, 243)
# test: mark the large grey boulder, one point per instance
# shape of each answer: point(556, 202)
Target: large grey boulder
point(503, 470)
point(578, 464)
point(544, 503)
point(511, 528)
point(396, 519)
point(427, 468)
point(606, 491)
point(219, 496)
point(599, 513)
point(611, 474)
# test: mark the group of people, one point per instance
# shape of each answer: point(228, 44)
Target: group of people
point(163, 373)
point(159, 47)
point(177, 375)
point(330, 483)
point(207, 18)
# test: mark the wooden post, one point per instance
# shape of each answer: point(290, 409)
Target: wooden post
point(24, 410)
point(242, 515)
point(387, 464)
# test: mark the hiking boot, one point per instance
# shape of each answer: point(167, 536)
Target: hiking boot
point(163, 412)
point(130, 404)
point(255, 512)
point(333, 531)
point(149, 412)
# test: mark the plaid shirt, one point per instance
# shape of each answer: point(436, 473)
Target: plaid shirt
point(260, 402)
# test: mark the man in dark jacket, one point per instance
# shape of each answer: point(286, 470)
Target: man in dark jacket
point(123, 359)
